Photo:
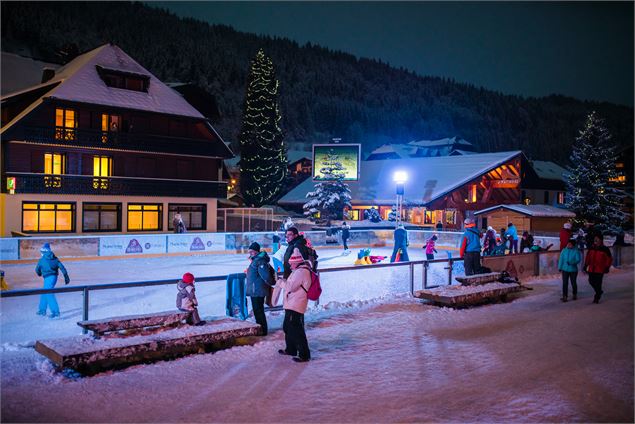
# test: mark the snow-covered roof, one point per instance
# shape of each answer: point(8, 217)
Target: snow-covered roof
point(428, 178)
point(461, 152)
point(532, 210)
point(548, 170)
point(20, 72)
point(79, 81)
point(391, 151)
point(440, 142)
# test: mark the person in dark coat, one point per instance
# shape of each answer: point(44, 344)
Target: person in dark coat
point(489, 243)
point(439, 226)
point(526, 241)
point(259, 282)
point(345, 234)
point(597, 263)
point(294, 239)
point(48, 267)
point(178, 224)
point(401, 242)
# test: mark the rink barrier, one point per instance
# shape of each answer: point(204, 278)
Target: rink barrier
point(27, 249)
point(522, 266)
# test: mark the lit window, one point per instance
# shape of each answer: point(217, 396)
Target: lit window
point(65, 124)
point(561, 198)
point(54, 163)
point(110, 125)
point(102, 167)
point(145, 217)
point(473, 190)
point(48, 217)
point(450, 217)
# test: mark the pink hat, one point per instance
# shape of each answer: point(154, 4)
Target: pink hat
point(188, 278)
point(296, 257)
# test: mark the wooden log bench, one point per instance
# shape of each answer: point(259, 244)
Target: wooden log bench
point(476, 279)
point(90, 355)
point(100, 327)
point(464, 296)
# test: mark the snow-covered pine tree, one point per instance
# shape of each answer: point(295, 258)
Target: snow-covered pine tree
point(373, 215)
point(589, 194)
point(263, 161)
point(331, 195)
point(392, 215)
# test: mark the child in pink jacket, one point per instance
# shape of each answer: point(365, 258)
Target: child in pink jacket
point(295, 303)
point(430, 250)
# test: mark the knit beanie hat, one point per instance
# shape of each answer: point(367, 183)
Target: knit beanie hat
point(45, 248)
point(254, 246)
point(188, 278)
point(296, 257)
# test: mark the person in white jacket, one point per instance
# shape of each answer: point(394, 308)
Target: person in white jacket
point(295, 303)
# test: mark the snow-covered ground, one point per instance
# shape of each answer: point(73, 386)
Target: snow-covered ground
point(388, 359)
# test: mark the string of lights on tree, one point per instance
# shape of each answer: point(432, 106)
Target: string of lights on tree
point(589, 193)
point(263, 161)
point(330, 196)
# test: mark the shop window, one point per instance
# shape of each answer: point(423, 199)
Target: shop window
point(101, 217)
point(194, 216)
point(428, 218)
point(353, 215)
point(110, 126)
point(450, 217)
point(48, 217)
point(65, 124)
point(102, 167)
point(145, 217)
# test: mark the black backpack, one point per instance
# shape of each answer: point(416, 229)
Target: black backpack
point(272, 275)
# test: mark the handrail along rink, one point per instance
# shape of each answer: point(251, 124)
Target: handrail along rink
point(86, 289)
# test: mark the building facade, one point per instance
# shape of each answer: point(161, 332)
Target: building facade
point(103, 146)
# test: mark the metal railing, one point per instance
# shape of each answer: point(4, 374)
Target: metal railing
point(86, 289)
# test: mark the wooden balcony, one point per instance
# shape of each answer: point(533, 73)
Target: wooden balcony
point(77, 137)
point(113, 186)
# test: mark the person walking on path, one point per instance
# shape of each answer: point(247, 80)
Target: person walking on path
point(568, 262)
point(512, 234)
point(295, 302)
point(48, 267)
point(259, 282)
point(186, 298)
point(345, 234)
point(439, 226)
point(294, 240)
point(471, 248)
point(565, 235)
point(430, 247)
point(401, 242)
point(597, 263)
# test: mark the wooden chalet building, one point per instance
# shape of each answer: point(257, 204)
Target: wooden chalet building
point(101, 145)
point(445, 188)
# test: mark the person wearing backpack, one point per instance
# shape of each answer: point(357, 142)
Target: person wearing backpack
point(295, 301)
point(260, 279)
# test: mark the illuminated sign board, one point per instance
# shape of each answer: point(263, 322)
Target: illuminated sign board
point(349, 155)
point(11, 185)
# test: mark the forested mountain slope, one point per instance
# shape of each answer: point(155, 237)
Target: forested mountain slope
point(324, 93)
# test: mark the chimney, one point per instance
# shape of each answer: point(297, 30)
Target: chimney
point(47, 74)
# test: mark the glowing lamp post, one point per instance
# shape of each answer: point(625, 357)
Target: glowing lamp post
point(399, 177)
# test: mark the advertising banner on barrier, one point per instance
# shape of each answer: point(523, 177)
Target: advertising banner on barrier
point(202, 242)
point(131, 245)
point(72, 247)
point(9, 249)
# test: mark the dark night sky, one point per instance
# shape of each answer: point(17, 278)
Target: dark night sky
point(579, 49)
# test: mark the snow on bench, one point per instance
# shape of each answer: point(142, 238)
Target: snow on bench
point(469, 280)
point(461, 296)
point(90, 355)
point(164, 319)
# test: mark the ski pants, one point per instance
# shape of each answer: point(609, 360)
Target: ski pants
point(258, 306)
point(472, 262)
point(294, 334)
point(48, 300)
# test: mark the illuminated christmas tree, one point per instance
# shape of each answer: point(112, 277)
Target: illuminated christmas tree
point(589, 194)
point(331, 195)
point(263, 162)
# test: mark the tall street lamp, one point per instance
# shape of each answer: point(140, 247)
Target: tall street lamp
point(399, 177)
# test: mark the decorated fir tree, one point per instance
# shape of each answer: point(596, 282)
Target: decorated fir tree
point(263, 162)
point(331, 195)
point(589, 194)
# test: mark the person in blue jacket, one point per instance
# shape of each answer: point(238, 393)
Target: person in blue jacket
point(512, 234)
point(470, 249)
point(48, 267)
point(401, 242)
point(568, 262)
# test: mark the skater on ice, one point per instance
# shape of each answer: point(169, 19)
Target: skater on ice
point(186, 298)
point(48, 267)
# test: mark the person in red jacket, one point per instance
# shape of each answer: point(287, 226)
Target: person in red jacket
point(597, 263)
point(565, 234)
